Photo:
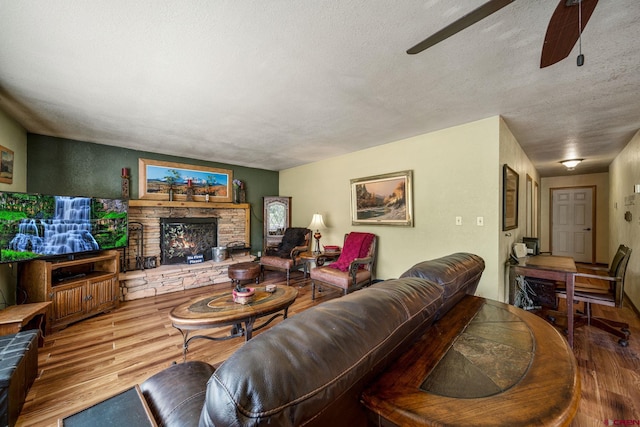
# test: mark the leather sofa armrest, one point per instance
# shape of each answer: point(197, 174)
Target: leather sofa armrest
point(176, 395)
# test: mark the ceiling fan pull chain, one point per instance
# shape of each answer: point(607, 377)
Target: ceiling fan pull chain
point(580, 60)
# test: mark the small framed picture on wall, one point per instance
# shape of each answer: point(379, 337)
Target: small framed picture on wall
point(6, 165)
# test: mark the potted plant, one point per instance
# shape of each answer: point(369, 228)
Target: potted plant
point(238, 188)
point(210, 182)
point(171, 180)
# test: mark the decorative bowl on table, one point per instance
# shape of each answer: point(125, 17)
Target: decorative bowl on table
point(243, 295)
point(331, 248)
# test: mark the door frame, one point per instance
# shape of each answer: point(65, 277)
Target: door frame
point(594, 200)
point(532, 204)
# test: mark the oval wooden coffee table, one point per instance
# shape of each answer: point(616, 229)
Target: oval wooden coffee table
point(218, 309)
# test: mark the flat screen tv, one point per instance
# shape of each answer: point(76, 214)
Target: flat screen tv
point(37, 225)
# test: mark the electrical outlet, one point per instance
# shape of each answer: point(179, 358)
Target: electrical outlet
point(458, 220)
point(480, 221)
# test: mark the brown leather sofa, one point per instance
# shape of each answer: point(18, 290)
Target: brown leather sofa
point(311, 369)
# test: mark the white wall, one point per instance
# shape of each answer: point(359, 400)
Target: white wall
point(624, 173)
point(601, 182)
point(14, 137)
point(512, 155)
point(456, 173)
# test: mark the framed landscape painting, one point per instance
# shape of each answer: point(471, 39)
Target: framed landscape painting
point(156, 178)
point(383, 199)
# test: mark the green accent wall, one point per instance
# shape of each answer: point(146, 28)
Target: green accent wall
point(61, 166)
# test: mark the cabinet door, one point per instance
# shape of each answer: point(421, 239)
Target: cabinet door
point(277, 218)
point(102, 294)
point(68, 302)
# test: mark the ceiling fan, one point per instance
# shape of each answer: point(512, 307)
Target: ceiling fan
point(564, 30)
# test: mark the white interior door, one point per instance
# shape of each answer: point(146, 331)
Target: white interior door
point(572, 227)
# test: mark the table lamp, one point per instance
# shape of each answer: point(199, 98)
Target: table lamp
point(316, 224)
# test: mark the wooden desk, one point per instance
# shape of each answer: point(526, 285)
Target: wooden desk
point(558, 268)
point(15, 317)
point(485, 363)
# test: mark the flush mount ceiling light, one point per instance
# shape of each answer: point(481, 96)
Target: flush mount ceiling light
point(571, 164)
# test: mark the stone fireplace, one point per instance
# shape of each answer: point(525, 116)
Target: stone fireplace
point(232, 224)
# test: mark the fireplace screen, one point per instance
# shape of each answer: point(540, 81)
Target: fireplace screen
point(186, 239)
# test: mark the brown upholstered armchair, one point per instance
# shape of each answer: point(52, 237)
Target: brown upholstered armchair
point(353, 269)
point(287, 255)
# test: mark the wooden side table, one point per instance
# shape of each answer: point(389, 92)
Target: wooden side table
point(15, 318)
point(318, 259)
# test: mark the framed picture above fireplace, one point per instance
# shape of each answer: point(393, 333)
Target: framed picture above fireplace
point(158, 178)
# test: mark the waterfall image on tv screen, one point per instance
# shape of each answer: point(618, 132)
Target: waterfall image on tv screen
point(37, 225)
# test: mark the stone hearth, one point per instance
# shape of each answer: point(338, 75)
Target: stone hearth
point(175, 277)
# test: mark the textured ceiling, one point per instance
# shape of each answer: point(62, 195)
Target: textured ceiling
point(280, 83)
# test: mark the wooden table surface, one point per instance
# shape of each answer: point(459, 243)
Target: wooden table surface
point(218, 309)
point(552, 262)
point(16, 317)
point(484, 363)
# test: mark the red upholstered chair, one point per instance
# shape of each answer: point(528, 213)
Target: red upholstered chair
point(353, 269)
point(286, 256)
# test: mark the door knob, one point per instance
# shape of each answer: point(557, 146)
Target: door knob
point(587, 229)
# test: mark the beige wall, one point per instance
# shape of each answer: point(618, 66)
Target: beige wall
point(512, 155)
point(14, 137)
point(601, 182)
point(456, 172)
point(624, 173)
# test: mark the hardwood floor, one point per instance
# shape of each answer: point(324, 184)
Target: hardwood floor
point(101, 356)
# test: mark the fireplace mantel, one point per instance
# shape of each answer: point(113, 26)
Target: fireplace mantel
point(141, 203)
point(183, 204)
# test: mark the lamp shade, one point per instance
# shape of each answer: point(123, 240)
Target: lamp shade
point(316, 222)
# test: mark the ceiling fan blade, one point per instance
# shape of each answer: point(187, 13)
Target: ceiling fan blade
point(467, 20)
point(563, 32)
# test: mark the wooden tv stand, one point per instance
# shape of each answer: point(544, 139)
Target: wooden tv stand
point(77, 288)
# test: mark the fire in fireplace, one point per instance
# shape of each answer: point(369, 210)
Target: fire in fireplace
point(185, 239)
